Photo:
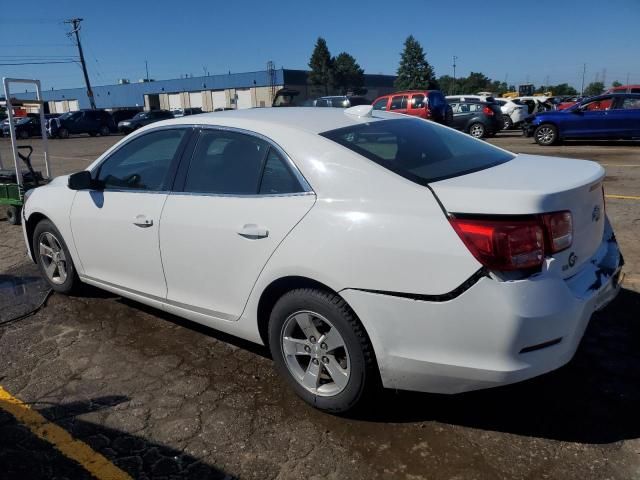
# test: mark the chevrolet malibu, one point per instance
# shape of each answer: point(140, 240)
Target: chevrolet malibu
point(364, 248)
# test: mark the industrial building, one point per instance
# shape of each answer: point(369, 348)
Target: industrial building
point(233, 90)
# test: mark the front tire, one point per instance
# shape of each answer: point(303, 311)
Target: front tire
point(546, 134)
point(321, 348)
point(477, 130)
point(508, 123)
point(23, 134)
point(104, 131)
point(53, 258)
point(63, 133)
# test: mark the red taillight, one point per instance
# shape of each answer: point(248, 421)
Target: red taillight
point(559, 227)
point(487, 111)
point(515, 244)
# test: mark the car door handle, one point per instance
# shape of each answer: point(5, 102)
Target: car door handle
point(142, 221)
point(253, 231)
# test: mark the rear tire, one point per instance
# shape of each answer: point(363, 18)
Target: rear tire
point(546, 134)
point(104, 131)
point(53, 258)
point(477, 130)
point(23, 134)
point(13, 215)
point(330, 364)
point(508, 123)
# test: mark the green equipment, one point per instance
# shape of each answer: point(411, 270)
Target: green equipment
point(15, 182)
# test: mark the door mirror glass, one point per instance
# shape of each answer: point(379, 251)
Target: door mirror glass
point(80, 181)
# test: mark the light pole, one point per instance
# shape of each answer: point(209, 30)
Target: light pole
point(454, 74)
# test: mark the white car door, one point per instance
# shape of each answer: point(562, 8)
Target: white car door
point(233, 205)
point(115, 227)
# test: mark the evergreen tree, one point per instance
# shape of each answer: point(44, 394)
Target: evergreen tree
point(414, 71)
point(348, 75)
point(321, 76)
point(594, 88)
point(616, 83)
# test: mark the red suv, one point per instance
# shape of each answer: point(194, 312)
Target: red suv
point(429, 104)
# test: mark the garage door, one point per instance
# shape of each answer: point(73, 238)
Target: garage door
point(195, 99)
point(61, 106)
point(174, 101)
point(244, 99)
point(219, 99)
point(74, 105)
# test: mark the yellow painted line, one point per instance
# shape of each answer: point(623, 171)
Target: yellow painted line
point(92, 461)
point(623, 197)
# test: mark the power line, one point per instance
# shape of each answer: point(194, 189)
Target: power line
point(38, 63)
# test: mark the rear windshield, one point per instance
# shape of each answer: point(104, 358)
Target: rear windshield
point(419, 150)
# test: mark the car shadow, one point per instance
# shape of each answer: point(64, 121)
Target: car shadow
point(25, 456)
point(593, 399)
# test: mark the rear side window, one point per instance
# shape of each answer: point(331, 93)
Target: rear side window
point(436, 99)
point(398, 102)
point(418, 101)
point(226, 163)
point(381, 104)
point(277, 177)
point(420, 151)
point(630, 103)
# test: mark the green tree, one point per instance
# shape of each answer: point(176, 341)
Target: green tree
point(563, 89)
point(348, 75)
point(616, 83)
point(446, 84)
point(475, 82)
point(594, 88)
point(321, 76)
point(414, 71)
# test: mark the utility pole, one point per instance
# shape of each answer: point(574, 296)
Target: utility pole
point(146, 67)
point(76, 29)
point(454, 74)
point(627, 78)
point(584, 72)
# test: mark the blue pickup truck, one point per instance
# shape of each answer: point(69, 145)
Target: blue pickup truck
point(611, 116)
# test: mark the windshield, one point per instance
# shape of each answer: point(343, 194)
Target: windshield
point(24, 120)
point(68, 115)
point(140, 115)
point(419, 150)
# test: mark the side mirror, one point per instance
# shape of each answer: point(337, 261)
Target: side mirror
point(81, 181)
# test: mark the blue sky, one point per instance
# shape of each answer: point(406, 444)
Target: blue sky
point(520, 41)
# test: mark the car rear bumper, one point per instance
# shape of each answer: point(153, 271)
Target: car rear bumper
point(495, 333)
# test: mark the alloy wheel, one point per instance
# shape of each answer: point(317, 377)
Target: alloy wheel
point(476, 130)
point(315, 353)
point(52, 258)
point(545, 135)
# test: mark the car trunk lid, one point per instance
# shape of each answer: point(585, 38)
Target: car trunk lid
point(529, 185)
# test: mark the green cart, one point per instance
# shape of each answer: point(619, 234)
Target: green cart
point(15, 182)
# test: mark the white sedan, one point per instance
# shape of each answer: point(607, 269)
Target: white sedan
point(363, 248)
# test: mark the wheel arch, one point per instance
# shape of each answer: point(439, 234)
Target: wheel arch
point(276, 289)
point(30, 227)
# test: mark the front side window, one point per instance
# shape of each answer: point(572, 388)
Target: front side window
point(226, 163)
point(398, 103)
point(596, 105)
point(380, 104)
point(143, 163)
point(420, 151)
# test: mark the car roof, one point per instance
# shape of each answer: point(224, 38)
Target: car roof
point(308, 119)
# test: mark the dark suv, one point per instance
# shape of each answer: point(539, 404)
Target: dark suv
point(478, 119)
point(93, 122)
point(142, 119)
point(429, 104)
